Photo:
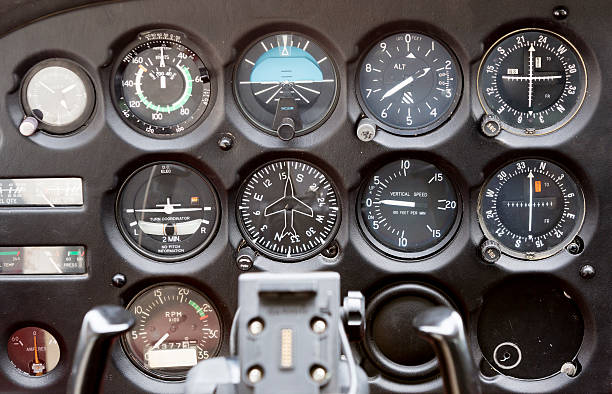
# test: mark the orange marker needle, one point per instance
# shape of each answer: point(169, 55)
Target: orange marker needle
point(143, 68)
point(36, 354)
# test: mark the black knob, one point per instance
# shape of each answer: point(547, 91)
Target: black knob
point(286, 129)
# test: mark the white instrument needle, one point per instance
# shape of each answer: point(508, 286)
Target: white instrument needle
point(406, 82)
point(530, 176)
point(161, 340)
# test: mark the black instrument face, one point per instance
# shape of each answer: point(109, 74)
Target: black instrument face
point(168, 211)
point(176, 327)
point(533, 80)
point(529, 328)
point(161, 86)
point(409, 83)
point(288, 210)
point(409, 209)
point(286, 76)
point(532, 208)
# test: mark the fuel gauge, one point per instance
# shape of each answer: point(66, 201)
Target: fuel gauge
point(34, 351)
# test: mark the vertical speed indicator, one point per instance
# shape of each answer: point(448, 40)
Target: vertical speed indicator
point(409, 209)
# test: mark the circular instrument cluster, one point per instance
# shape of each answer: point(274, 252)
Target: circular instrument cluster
point(286, 84)
point(409, 83)
point(33, 351)
point(176, 327)
point(534, 80)
point(288, 210)
point(59, 94)
point(532, 208)
point(409, 209)
point(168, 211)
point(161, 86)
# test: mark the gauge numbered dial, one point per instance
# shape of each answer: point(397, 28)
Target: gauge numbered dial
point(288, 210)
point(168, 211)
point(409, 209)
point(533, 208)
point(409, 83)
point(286, 84)
point(533, 80)
point(60, 94)
point(161, 85)
point(176, 327)
point(34, 351)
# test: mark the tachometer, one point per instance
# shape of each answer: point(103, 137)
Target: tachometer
point(161, 85)
point(533, 208)
point(533, 80)
point(176, 327)
point(286, 84)
point(167, 211)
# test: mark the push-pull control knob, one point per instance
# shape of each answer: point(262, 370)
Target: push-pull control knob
point(286, 129)
point(100, 325)
point(442, 327)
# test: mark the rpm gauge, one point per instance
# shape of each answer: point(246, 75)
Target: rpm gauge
point(409, 209)
point(533, 80)
point(288, 210)
point(409, 83)
point(286, 84)
point(167, 211)
point(161, 85)
point(176, 327)
point(532, 208)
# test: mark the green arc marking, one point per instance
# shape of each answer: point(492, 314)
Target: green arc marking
point(197, 308)
point(178, 103)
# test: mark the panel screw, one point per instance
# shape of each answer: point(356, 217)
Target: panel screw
point(569, 369)
point(318, 374)
point(560, 12)
point(119, 280)
point(490, 251)
point(331, 251)
point(587, 271)
point(366, 130)
point(575, 247)
point(318, 326)
point(255, 375)
point(490, 125)
point(256, 326)
point(245, 259)
point(226, 142)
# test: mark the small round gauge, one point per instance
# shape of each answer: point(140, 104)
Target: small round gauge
point(409, 83)
point(533, 208)
point(168, 211)
point(533, 80)
point(33, 350)
point(288, 210)
point(286, 84)
point(176, 327)
point(409, 209)
point(161, 85)
point(60, 94)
